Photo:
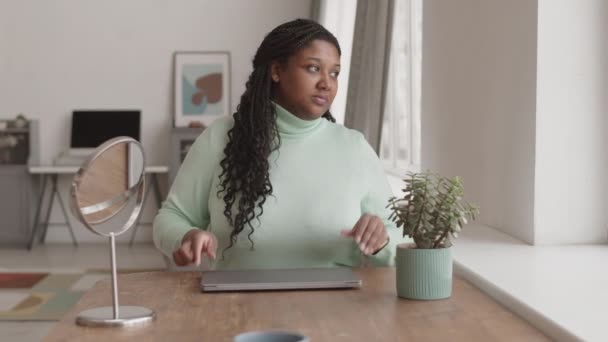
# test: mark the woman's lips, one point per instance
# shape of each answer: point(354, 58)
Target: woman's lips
point(319, 100)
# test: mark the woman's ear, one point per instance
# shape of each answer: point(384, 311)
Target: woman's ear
point(274, 72)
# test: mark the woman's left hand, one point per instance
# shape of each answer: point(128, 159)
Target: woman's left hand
point(369, 232)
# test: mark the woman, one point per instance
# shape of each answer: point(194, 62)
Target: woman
point(279, 184)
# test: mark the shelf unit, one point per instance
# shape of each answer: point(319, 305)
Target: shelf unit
point(181, 140)
point(18, 191)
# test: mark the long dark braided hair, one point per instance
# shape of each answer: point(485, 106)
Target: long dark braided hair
point(244, 180)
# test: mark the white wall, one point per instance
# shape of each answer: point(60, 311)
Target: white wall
point(59, 55)
point(572, 122)
point(478, 104)
point(66, 54)
point(515, 101)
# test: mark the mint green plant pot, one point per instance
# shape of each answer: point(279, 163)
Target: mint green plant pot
point(423, 274)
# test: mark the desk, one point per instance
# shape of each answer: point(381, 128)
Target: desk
point(372, 313)
point(51, 174)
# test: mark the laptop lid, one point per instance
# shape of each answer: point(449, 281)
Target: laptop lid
point(285, 279)
point(91, 128)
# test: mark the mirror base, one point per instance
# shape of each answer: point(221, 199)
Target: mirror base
point(104, 317)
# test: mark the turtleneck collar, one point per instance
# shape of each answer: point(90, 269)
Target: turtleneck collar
point(291, 125)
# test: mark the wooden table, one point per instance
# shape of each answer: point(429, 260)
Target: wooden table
point(372, 313)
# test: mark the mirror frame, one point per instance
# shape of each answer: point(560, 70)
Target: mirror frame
point(139, 188)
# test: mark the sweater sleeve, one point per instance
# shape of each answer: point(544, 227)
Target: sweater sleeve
point(375, 203)
point(186, 206)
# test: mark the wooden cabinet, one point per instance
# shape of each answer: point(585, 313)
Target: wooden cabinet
point(16, 196)
point(17, 186)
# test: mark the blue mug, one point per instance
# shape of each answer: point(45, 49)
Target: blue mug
point(271, 336)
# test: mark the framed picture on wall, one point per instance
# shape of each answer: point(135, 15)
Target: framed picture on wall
point(202, 87)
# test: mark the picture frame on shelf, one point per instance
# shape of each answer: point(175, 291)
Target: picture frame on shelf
point(202, 87)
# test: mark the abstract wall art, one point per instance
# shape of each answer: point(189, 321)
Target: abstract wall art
point(202, 87)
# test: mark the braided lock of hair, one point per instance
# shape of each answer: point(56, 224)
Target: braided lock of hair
point(244, 180)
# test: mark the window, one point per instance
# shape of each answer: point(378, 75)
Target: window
point(400, 141)
point(338, 16)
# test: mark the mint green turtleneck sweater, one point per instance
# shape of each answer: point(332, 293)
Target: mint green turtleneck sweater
point(324, 177)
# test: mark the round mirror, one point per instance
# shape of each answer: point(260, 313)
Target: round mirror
point(107, 197)
point(107, 191)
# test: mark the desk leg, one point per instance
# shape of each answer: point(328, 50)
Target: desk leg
point(154, 182)
point(168, 262)
point(48, 211)
point(156, 185)
point(36, 224)
point(157, 193)
point(67, 220)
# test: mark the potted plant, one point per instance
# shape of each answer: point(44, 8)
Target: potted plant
point(431, 212)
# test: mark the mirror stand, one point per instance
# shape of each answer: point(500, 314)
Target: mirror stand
point(115, 315)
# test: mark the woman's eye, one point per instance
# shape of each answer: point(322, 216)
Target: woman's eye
point(335, 74)
point(313, 68)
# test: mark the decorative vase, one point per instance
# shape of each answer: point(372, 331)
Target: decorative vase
point(423, 274)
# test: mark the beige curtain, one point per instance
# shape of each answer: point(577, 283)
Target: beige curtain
point(315, 9)
point(369, 69)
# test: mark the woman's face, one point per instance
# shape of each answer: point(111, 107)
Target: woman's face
point(307, 84)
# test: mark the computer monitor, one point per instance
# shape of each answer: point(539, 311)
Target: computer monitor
point(91, 128)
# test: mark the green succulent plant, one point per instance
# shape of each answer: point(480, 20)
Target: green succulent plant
point(432, 209)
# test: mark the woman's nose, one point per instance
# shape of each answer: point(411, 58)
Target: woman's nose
point(323, 83)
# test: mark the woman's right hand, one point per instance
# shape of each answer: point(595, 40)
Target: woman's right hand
point(194, 244)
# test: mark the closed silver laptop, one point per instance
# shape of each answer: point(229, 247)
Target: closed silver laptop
point(279, 279)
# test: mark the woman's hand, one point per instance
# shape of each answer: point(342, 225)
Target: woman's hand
point(370, 234)
point(194, 243)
